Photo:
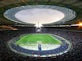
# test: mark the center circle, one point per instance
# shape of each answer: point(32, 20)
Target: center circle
point(39, 15)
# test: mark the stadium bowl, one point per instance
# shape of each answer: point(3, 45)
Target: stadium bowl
point(42, 51)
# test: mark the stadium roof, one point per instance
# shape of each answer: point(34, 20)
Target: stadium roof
point(76, 5)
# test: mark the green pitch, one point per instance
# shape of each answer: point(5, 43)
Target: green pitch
point(31, 39)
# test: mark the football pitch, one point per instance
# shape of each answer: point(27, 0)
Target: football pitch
point(32, 39)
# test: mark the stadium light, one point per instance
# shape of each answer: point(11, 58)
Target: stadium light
point(38, 25)
point(80, 24)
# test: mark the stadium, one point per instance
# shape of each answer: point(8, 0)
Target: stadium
point(41, 30)
point(40, 45)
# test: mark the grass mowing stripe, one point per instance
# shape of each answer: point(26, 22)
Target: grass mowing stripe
point(34, 38)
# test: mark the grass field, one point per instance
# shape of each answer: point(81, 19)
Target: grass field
point(37, 38)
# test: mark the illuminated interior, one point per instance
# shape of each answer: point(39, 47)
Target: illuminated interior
point(39, 16)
